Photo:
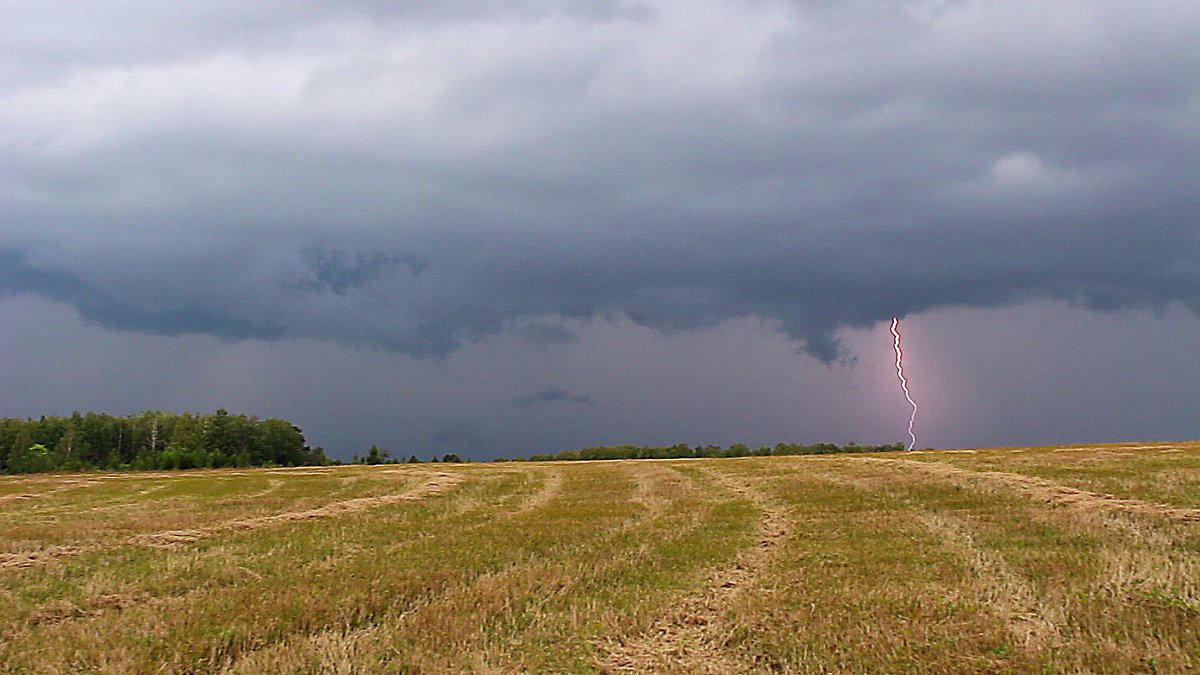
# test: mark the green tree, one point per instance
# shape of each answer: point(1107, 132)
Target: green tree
point(279, 442)
point(150, 440)
point(71, 452)
point(25, 438)
point(35, 459)
point(9, 428)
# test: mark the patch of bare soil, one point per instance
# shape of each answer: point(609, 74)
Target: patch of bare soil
point(1047, 491)
point(435, 484)
point(692, 637)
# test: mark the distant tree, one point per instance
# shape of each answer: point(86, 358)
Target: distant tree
point(451, 458)
point(316, 456)
point(373, 455)
point(279, 442)
point(412, 459)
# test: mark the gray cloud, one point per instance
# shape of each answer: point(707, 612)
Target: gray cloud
point(340, 272)
point(98, 307)
point(551, 395)
point(543, 334)
point(436, 175)
point(459, 436)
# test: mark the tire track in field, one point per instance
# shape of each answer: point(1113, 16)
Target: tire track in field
point(691, 637)
point(435, 484)
point(64, 484)
point(1157, 567)
point(545, 494)
point(657, 486)
point(273, 484)
point(550, 489)
point(1043, 490)
point(1006, 593)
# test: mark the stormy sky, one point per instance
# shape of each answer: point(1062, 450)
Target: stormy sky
point(505, 227)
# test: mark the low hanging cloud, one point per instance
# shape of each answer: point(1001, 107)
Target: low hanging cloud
point(338, 272)
point(96, 306)
point(414, 180)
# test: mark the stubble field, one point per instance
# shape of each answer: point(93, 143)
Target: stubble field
point(1043, 560)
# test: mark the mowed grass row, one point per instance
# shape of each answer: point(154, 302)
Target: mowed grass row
point(890, 570)
point(854, 564)
point(441, 584)
point(1166, 473)
point(81, 510)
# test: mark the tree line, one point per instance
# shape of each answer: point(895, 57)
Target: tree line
point(161, 440)
point(629, 451)
point(151, 440)
point(683, 450)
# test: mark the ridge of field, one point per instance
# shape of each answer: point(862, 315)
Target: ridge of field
point(1078, 559)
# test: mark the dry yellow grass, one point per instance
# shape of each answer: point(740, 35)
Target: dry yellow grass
point(1054, 560)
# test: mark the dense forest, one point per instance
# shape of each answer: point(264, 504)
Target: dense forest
point(151, 440)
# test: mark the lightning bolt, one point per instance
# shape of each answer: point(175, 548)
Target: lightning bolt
point(904, 381)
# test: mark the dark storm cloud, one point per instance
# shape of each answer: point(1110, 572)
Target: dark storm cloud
point(17, 277)
point(99, 307)
point(551, 395)
point(459, 436)
point(341, 272)
point(483, 167)
point(546, 334)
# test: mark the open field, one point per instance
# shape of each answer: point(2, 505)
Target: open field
point(1043, 560)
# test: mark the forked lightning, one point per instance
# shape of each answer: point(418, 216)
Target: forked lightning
point(904, 381)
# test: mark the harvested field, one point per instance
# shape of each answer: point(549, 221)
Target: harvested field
point(1013, 560)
